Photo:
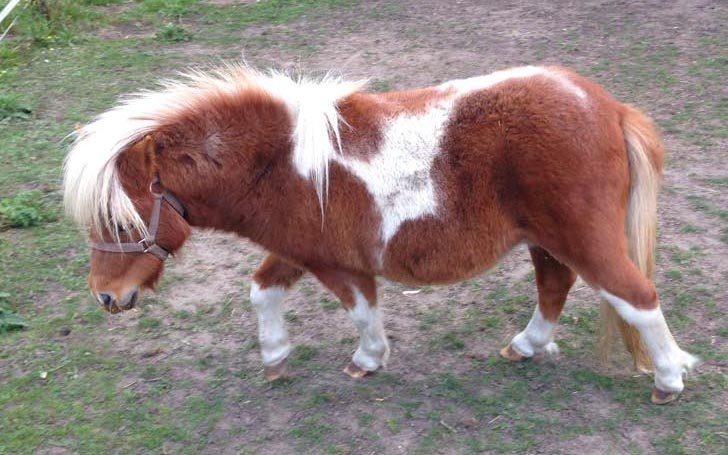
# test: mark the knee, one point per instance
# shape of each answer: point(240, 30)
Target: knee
point(645, 297)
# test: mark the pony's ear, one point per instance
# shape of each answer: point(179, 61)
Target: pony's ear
point(141, 157)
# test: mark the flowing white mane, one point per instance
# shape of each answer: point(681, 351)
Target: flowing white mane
point(93, 194)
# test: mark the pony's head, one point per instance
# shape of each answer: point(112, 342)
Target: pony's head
point(128, 254)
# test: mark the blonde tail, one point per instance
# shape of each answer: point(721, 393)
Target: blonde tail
point(645, 153)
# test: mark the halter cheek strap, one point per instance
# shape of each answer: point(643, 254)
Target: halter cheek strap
point(149, 243)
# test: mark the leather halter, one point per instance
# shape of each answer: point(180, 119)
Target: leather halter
point(149, 243)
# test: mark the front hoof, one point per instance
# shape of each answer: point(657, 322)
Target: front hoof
point(660, 397)
point(277, 371)
point(511, 354)
point(355, 371)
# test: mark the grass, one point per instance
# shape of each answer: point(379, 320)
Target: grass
point(9, 320)
point(703, 205)
point(174, 33)
point(11, 108)
point(25, 209)
point(166, 380)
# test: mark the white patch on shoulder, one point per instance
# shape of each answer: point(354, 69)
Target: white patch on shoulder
point(399, 176)
point(670, 362)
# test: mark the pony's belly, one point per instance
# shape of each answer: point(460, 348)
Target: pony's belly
point(434, 266)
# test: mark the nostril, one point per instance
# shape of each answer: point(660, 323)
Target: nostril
point(105, 299)
point(134, 298)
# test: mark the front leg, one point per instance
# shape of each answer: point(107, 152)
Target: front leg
point(358, 295)
point(271, 281)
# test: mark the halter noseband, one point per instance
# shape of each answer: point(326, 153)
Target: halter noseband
point(149, 243)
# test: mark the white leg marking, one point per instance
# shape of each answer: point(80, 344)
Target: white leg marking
point(538, 336)
point(670, 362)
point(272, 334)
point(373, 350)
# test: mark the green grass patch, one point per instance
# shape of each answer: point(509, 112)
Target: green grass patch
point(148, 323)
point(449, 341)
point(702, 204)
point(173, 33)
point(330, 304)
point(277, 11)
point(719, 182)
point(674, 274)
point(303, 354)
point(11, 108)
point(691, 229)
point(56, 22)
point(174, 9)
point(310, 430)
point(9, 320)
point(25, 209)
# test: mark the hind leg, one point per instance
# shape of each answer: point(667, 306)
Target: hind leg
point(618, 280)
point(553, 280)
point(271, 281)
point(670, 363)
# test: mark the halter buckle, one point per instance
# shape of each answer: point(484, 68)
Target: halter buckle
point(146, 244)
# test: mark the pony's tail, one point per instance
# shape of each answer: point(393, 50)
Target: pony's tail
point(646, 154)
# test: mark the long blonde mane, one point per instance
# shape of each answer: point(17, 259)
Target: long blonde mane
point(93, 194)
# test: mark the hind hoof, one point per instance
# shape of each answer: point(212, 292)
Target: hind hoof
point(355, 371)
point(511, 354)
point(277, 371)
point(660, 397)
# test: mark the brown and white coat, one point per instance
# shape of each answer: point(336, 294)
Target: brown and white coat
point(431, 185)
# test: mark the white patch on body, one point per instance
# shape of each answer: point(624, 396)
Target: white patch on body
point(373, 350)
point(272, 334)
point(465, 86)
point(399, 176)
point(670, 362)
point(538, 336)
point(567, 84)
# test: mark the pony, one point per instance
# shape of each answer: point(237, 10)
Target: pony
point(425, 186)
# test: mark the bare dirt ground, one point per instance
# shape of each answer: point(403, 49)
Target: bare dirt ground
point(647, 53)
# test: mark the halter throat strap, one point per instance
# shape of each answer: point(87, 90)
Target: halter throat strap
point(149, 243)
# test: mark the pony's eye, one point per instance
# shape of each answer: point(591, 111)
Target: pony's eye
point(120, 228)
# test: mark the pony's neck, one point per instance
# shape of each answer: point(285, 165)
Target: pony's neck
point(221, 165)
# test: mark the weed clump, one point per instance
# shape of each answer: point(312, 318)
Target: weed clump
point(24, 209)
point(173, 33)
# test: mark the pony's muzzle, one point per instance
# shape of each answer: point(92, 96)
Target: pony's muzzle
point(112, 305)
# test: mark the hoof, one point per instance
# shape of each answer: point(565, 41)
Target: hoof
point(511, 354)
point(660, 397)
point(355, 371)
point(277, 371)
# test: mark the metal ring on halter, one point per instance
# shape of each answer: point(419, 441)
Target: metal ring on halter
point(147, 244)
